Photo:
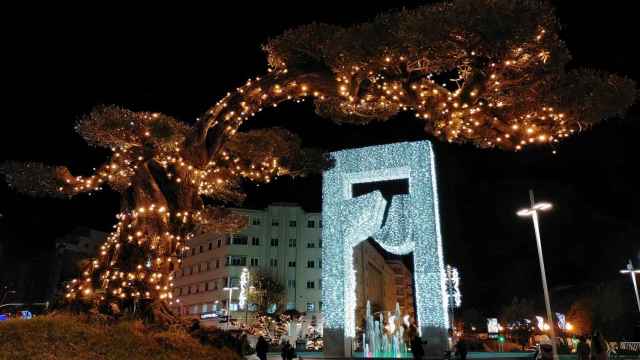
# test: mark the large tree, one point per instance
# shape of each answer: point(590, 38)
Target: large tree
point(489, 72)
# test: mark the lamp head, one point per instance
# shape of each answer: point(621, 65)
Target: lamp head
point(525, 212)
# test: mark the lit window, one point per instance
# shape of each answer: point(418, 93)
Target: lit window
point(311, 307)
point(234, 307)
point(291, 306)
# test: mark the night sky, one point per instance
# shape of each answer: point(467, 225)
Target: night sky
point(60, 62)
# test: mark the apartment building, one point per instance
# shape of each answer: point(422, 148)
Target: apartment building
point(282, 239)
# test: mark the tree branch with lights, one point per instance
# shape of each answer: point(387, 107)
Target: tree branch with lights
point(493, 73)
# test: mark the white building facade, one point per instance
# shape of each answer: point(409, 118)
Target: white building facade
point(282, 239)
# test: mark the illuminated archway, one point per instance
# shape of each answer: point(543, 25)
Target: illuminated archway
point(411, 226)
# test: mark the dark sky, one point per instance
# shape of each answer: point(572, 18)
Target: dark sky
point(61, 62)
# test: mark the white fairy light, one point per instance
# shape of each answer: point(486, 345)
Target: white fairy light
point(244, 287)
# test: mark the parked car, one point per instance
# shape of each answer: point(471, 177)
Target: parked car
point(22, 310)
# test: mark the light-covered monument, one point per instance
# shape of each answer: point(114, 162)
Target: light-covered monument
point(408, 224)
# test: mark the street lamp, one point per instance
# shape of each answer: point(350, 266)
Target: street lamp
point(230, 290)
point(632, 272)
point(533, 212)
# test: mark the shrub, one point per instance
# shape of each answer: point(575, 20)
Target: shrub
point(79, 337)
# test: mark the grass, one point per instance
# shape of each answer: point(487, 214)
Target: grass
point(76, 337)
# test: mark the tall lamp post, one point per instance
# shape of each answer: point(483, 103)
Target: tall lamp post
point(230, 289)
point(533, 213)
point(632, 272)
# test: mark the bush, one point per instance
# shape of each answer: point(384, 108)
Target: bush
point(78, 337)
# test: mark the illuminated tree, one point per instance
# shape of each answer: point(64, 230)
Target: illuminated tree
point(267, 292)
point(488, 72)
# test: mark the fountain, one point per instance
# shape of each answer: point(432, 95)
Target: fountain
point(385, 340)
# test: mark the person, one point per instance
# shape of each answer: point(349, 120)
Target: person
point(461, 349)
point(291, 353)
point(261, 348)
point(599, 348)
point(583, 349)
point(416, 345)
point(285, 350)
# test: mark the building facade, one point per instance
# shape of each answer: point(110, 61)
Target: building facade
point(282, 240)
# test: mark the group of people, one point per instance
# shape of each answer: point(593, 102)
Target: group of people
point(287, 352)
point(598, 350)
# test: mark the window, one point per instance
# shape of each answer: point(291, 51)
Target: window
point(311, 245)
point(206, 286)
point(320, 224)
point(292, 264)
point(320, 306)
point(210, 246)
point(239, 239)
point(320, 263)
point(292, 223)
point(254, 262)
point(200, 249)
point(275, 223)
point(219, 242)
point(311, 224)
point(291, 306)
point(320, 283)
point(212, 286)
point(273, 262)
point(228, 240)
point(208, 266)
point(186, 290)
point(311, 264)
point(193, 251)
point(291, 284)
point(311, 307)
point(292, 243)
point(255, 221)
point(217, 263)
point(234, 307)
point(204, 308)
point(235, 260)
point(274, 242)
point(255, 241)
point(311, 284)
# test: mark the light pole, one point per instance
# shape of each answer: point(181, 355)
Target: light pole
point(230, 290)
point(533, 212)
point(632, 272)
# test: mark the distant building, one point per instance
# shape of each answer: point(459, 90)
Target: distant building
point(375, 281)
point(72, 249)
point(403, 286)
point(282, 239)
